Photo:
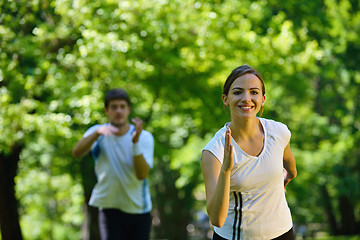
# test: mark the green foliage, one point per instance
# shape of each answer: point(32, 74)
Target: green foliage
point(57, 59)
point(338, 238)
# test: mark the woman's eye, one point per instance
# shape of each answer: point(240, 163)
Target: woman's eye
point(237, 92)
point(254, 92)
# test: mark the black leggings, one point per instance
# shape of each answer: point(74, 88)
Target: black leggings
point(286, 236)
point(115, 224)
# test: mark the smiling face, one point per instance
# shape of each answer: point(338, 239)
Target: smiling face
point(245, 97)
point(118, 112)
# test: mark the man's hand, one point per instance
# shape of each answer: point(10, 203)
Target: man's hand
point(107, 130)
point(83, 147)
point(139, 126)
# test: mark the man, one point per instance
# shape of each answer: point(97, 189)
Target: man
point(123, 154)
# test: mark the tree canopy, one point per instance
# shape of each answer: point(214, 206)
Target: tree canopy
point(58, 57)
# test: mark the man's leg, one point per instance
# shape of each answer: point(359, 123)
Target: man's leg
point(141, 227)
point(109, 225)
point(115, 224)
point(137, 226)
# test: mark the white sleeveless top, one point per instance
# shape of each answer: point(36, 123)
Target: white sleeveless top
point(257, 206)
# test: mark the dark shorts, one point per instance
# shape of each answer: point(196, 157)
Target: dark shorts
point(115, 224)
point(286, 236)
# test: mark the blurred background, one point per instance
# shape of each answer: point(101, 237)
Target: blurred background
point(57, 59)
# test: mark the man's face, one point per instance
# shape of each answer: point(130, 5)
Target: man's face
point(118, 112)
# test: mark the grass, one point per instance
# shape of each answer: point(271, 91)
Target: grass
point(337, 238)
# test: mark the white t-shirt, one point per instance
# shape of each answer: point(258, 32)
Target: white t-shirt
point(117, 185)
point(257, 205)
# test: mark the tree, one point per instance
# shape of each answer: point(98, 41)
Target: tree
point(59, 57)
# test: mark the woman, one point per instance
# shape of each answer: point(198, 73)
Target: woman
point(243, 166)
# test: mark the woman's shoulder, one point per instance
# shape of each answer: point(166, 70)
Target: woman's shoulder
point(221, 131)
point(217, 139)
point(272, 124)
point(216, 144)
point(220, 134)
point(277, 130)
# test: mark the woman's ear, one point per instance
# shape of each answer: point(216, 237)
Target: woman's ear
point(225, 100)
point(263, 101)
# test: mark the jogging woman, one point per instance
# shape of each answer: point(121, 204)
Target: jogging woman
point(243, 166)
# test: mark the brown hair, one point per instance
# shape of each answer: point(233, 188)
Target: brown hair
point(115, 94)
point(239, 71)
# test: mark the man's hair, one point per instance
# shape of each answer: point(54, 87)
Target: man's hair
point(116, 94)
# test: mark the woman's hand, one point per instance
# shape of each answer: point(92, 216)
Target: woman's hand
point(228, 161)
point(286, 178)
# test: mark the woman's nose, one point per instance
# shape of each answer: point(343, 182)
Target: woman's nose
point(246, 96)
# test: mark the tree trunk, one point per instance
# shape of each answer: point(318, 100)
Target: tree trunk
point(172, 209)
point(9, 216)
point(348, 222)
point(329, 210)
point(173, 214)
point(90, 227)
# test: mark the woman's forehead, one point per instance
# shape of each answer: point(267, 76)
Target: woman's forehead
point(249, 80)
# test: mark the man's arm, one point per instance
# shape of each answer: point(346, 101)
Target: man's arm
point(83, 147)
point(141, 167)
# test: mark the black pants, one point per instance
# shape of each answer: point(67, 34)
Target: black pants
point(286, 236)
point(117, 225)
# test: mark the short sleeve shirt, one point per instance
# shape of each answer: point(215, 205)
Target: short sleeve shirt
point(257, 205)
point(117, 185)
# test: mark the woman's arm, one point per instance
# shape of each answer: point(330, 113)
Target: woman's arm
point(217, 182)
point(289, 164)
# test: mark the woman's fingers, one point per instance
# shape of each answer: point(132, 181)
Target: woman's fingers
point(228, 150)
point(228, 142)
point(229, 136)
point(227, 139)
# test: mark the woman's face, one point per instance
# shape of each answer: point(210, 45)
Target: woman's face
point(245, 97)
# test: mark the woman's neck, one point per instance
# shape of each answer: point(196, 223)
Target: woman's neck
point(245, 129)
